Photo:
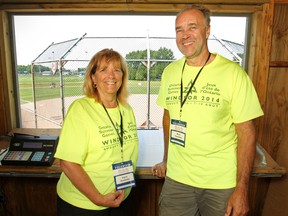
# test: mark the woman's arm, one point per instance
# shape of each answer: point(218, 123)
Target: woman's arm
point(83, 183)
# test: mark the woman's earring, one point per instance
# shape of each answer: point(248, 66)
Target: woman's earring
point(94, 85)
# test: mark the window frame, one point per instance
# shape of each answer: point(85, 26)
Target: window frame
point(16, 84)
point(261, 13)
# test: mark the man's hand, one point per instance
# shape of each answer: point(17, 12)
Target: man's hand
point(238, 204)
point(159, 170)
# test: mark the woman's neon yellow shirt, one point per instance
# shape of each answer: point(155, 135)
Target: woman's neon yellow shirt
point(88, 138)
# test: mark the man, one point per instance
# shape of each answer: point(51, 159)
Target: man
point(209, 105)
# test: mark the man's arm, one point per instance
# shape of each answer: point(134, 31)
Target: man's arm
point(246, 147)
point(160, 168)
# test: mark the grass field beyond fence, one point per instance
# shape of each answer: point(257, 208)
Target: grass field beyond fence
point(72, 87)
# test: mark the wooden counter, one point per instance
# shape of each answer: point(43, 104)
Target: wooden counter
point(54, 171)
point(31, 190)
point(264, 165)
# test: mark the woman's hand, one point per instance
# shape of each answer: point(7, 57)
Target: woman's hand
point(112, 200)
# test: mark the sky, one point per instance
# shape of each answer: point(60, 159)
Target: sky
point(33, 34)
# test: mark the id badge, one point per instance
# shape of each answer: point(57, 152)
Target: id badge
point(178, 132)
point(123, 175)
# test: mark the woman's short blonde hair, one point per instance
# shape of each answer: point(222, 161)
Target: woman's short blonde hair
point(109, 55)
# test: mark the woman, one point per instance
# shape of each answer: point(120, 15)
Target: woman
point(98, 137)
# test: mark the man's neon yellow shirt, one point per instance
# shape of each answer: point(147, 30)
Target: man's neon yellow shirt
point(88, 138)
point(222, 96)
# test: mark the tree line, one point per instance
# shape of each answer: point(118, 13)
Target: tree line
point(137, 63)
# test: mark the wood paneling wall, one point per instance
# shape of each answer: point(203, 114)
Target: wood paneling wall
point(35, 196)
point(32, 196)
point(239, 2)
point(276, 120)
point(269, 80)
point(7, 107)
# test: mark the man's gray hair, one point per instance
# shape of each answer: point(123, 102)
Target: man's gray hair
point(205, 11)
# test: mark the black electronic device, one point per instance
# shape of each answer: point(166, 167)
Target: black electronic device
point(31, 150)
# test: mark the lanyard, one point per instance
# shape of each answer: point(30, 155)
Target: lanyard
point(120, 135)
point(182, 102)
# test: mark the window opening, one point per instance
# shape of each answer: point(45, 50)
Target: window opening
point(52, 81)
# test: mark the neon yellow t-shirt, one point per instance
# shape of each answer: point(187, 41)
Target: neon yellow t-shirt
point(222, 96)
point(88, 138)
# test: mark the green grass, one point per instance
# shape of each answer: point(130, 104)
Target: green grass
point(72, 87)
